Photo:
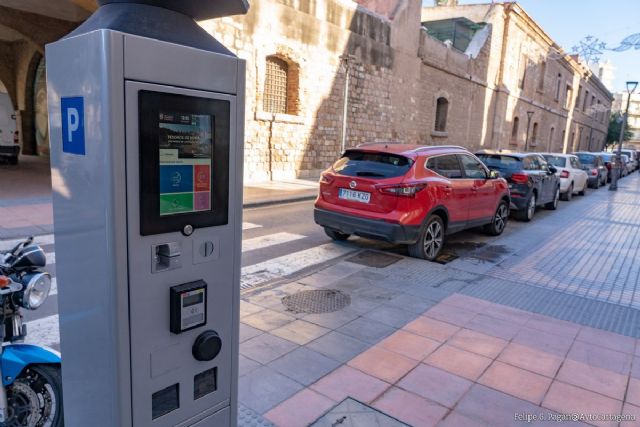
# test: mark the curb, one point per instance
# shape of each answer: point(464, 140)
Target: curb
point(271, 202)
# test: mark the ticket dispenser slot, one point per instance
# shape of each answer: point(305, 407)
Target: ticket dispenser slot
point(166, 256)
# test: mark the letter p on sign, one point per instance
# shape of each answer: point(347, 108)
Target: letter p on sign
point(73, 125)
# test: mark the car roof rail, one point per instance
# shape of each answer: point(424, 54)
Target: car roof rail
point(364, 144)
point(437, 147)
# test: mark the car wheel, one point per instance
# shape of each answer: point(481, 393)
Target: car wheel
point(527, 213)
point(553, 205)
point(583, 191)
point(335, 234)
point(568, 195)
point(499, 222)
point(431, 240)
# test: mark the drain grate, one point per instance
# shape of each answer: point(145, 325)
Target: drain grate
point(317, 301)
point(374, 259)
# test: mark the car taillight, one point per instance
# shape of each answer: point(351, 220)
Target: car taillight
point(326, 179)
point(594, 172)
point(519, 178)
point(564, 174)
point(404, 190)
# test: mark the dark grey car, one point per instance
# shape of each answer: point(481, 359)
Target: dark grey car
point(594, 165)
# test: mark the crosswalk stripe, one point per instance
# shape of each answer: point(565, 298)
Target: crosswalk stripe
point(269, 240)
point(54, 286)
point(44, 331)
point(256, 274)
point(249, 226)
point(51, 258)
point(45, 239)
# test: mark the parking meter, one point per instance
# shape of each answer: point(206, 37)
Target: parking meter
point(146, 116)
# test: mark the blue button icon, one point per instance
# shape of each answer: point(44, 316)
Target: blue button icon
point(73, 125)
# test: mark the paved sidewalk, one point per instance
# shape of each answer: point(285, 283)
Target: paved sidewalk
point(481, 341)
point(25, 196)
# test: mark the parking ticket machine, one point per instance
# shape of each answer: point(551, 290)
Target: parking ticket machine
point(146, 116)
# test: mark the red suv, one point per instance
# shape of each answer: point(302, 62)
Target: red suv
point(410, 194)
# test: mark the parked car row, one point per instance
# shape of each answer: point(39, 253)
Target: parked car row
point(416, 195)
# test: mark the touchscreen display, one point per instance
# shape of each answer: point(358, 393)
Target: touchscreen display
point(186, 147)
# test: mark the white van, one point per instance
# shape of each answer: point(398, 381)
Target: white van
point(9, 142)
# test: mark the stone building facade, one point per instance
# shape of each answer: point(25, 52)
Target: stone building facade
point(403, 83)
point(325, 75)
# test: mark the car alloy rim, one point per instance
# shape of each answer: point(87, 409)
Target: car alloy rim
point(433, 239)
point(501, 218)
point(532, 206)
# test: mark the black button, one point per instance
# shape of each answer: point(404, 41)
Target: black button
point(207, 346)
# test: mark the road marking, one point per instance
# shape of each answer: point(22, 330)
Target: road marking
point(51, 258)
point(249, 226)
point(269, 240)
point(44, 331)
point(54, 286)
point(45, 239)
point(254, 275)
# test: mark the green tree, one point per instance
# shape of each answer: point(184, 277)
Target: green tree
point(613, 134)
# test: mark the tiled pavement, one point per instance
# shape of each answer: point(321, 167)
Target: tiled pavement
point(466, 344)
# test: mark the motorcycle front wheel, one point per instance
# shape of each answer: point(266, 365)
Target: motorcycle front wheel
point(35, 398)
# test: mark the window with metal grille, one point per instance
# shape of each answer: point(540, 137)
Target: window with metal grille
point(276, 86)
point(442, 105)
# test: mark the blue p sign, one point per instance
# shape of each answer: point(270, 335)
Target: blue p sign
point(73, 125)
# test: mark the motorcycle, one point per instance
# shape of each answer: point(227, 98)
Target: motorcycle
point(31, 386)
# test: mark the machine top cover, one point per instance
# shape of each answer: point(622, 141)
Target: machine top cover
point(196, 9)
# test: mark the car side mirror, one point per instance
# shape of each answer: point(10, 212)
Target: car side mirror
point(493, 174)
point(552, 169)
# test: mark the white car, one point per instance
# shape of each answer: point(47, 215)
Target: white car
point(573, 179)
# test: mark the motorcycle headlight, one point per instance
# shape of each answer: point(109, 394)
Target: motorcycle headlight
point(36, 290)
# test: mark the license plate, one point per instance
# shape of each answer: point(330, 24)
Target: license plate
point(356, 196)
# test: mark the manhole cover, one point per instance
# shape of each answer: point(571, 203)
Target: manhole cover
point(317, 301)
point(374, 259)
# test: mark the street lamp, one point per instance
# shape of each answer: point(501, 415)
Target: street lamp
point(526, 140)
point(615, 170)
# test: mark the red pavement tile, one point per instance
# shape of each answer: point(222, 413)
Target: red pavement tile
point(510, 314)
point(531, 359)
point(600, 357)
point(557, 345)
point(435, 384)
point(599, 380)
point(635, 367)
point(410, 345)
point(633, 414)
point(566, 399)
point(409, 408)
point(553, 326)
point(460, 362)
point(492, 326)
point(383, 364)
point(450, 314)
point(431, 328)
point(456, 419)
point(516, 382)
point(476, 305)
point(300, 410)
point(349, 382)
point(478, 343)
point(638, 347)
point(633, 391)
point(607, 339)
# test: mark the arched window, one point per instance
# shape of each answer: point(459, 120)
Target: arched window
point(551, 135)
point(534, 134)
point(514, 130)
point(442, 105)
point(558, 83)
point(276, 86)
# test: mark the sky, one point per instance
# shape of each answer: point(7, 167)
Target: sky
point(569, 21)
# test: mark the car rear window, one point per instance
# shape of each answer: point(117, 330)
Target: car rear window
point(556, 160)
point(587, 159)
point(606, 157)
point(499, 161)
point(369, 164)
